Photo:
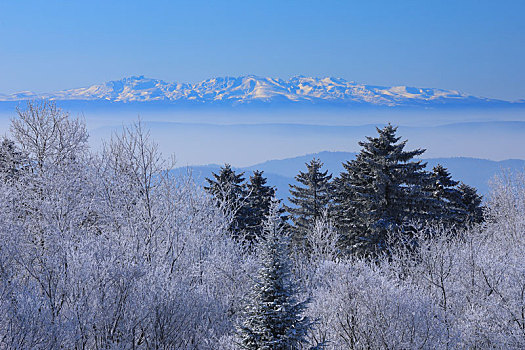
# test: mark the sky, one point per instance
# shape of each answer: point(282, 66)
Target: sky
point(474, 46)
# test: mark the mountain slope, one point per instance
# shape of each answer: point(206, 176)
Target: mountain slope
point(252, 89)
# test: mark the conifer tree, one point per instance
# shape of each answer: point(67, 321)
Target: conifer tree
point(449, 209)
point(459, 204)
point(312, 200)
point(12, 160)
point(259, 199)
point(229, 191)
point(380, 191)
point(472, 204)
point(272, 318)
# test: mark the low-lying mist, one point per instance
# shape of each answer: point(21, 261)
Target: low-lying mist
point(244, 136)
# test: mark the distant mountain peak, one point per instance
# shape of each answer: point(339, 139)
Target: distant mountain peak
point(251, 89)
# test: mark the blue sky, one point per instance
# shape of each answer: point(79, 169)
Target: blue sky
point(473, 46)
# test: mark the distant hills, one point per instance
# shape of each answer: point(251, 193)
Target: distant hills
point(248, 144)
point(254, 90)
point(472, 171)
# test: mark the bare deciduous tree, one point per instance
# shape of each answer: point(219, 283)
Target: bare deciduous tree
point(48, 134)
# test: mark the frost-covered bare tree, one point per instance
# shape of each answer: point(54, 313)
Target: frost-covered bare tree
point(447, 291)
point(48, 134)
point(323, 239)
point(111, 250)
point(322, 244)
point(42, 214)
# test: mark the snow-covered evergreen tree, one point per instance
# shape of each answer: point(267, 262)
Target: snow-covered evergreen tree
point(379, 191)
point(229, 191)
point(311, 199)
point(259, 200)
point(273, 317)
point(472, 204)
point(449, 207)
point(12, 160)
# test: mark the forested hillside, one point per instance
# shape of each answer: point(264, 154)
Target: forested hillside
point(113, 250)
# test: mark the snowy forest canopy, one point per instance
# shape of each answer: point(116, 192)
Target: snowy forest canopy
point(110, 250)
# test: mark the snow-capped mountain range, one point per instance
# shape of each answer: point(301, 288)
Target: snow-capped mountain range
point(254, 89)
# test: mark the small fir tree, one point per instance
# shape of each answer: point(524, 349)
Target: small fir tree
point(312, 200)
point(272, 318)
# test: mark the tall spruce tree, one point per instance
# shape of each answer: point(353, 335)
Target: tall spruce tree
point(259, 199)
point(380, 191)
point(311, 200)
point(229, 191)
point(272, 317)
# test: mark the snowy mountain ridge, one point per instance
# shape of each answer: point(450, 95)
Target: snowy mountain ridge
point(250, 89)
